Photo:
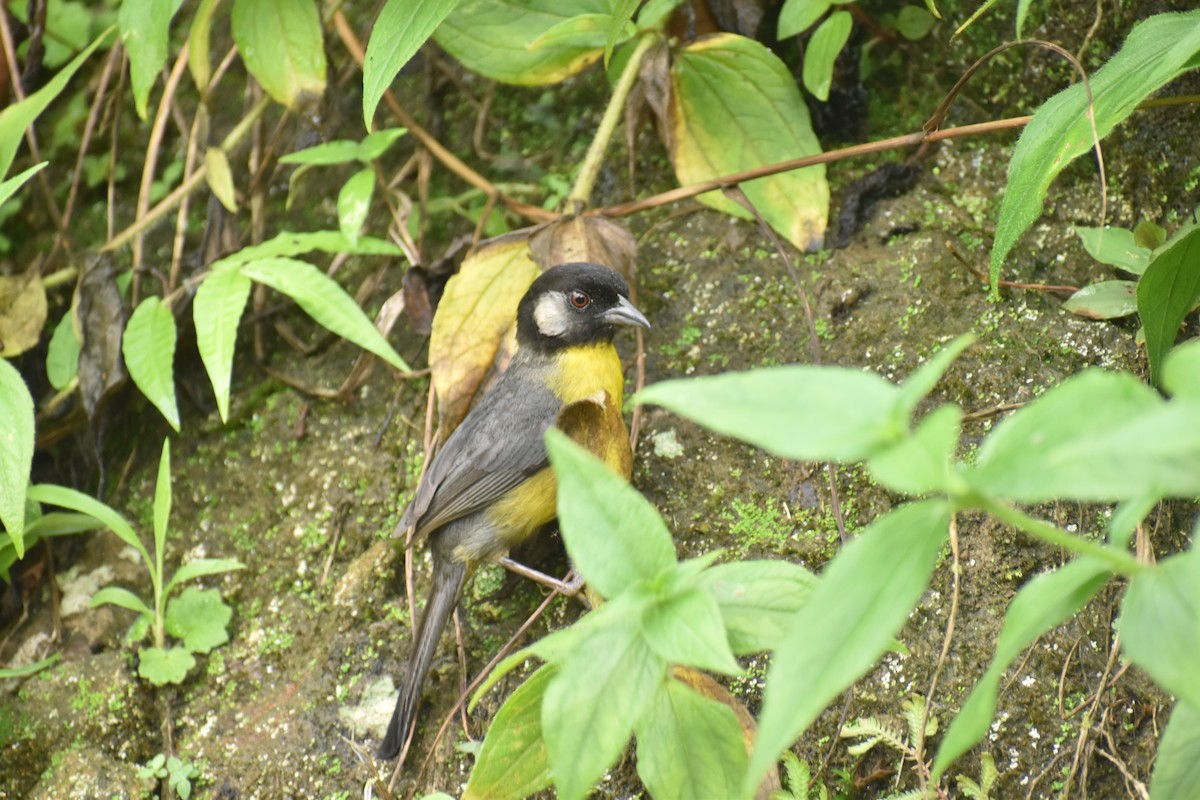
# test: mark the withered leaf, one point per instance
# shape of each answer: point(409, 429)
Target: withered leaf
point(594, 239)
point(597, 425)
point(102, 317)
point(22, 312)
point(476, 316)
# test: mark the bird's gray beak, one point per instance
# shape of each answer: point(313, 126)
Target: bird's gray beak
point(626, 313)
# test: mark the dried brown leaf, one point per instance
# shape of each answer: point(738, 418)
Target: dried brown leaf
point(102, 317)
point(22, 312)
point(597, 425)
point(594, 239)
point(475, 321)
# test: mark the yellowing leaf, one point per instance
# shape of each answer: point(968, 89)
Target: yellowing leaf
point(220, 178)
point(22, 312)
point(280, 43)
point(477, 313)
point(734, 106)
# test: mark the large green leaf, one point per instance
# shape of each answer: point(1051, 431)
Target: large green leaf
point(145, 25)
point(400, 29)
point(216, 311)
point(1156, 50)
point(687, 630)
point(495, 38)
point(323, 299)
point(512, 763)
point(1160, 624)
point(689, 746)
point(1169, 289)
point(1098, 436)
point(148, 346)
point(280, 44)
point(1046, 601)
point(758, 600)
point(18, 116)
point(802, 412)
point(613, 535)
point(862, 598)
point(604, 689)
point(1177, 766)
point(735, 106)
point(16, 451)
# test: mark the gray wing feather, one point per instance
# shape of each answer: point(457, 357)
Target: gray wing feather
point(497, 446)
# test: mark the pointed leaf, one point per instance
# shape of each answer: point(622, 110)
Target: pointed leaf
point(9, 187)
point(62, 356)
point(758, 600)
point(148, 346)
point(290, 243)
point(822, 51)
point(863, 597)
point(353, 203)
point(399, 31)
point(217, 310)
point(78, 501)
point(613, 535)
point(1115, 247)
point(1104, 300)
point(145, 25)
point(220, 178)
point(16, 451)
point(122, 598)
point(802, 412)
point(921, 463)
point(687, 630)
point(323, 299)
point(1181, 370)
point(162, 498)
point(280, 44)
point(201, 567)
point(199, 35)
point(735, 106)
point(1168, 290)
point(1177, 766)
point(797, 16)
point(512, 762)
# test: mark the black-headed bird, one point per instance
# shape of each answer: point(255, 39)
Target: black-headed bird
point(491, 486)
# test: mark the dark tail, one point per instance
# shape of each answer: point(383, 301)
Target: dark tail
point(448, 577)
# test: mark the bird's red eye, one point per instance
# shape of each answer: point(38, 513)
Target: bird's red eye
point(580, 299)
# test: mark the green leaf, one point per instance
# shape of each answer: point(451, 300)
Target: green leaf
point(376, 144)
point(493, 38)
point(1098, 436)
point(735, 106)
point(512, 762)
point(914, 23)
point(1181, 371)
point(1104, 300)
point(802, 412)
point(921, 462)
point(1045, 602)
point(201, 567)
point(16, 451)
point(295, 244)
point(339, 151)
point(614, 536)
point(58, 523)
point(1160, 624)
point(1177, 765)
point(148, 345)
point(77, 501)
point(797, 16)
point(863, 597)
point(323, 299)
point(161, 667)
point(822, 51)
point(399, 31)
point(1022, 12)
point(920, 383)
point(689, 746)
point(583, 30)
point(199, 617)
point(162, 500)
point(122, 598)
point(62, 356)
point(9, 187)
point(619, 26)
point(18, 116)
point(216, 311)
point(758, 600)
point(1115, 247)
point(687, 630)
point(145, 25)
point(1156, 50)
point(199, 35)
point(1149, 235)
point(219, 177)
point(1169, 289)
point(30, 669)
point(280, 44)
point(592, 706)
point(354, 201)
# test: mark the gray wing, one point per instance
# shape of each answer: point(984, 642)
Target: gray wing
point(496, 447)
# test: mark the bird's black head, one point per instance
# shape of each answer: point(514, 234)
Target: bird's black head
point(574, 304)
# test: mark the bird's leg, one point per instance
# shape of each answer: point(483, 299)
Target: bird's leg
point(568, 586)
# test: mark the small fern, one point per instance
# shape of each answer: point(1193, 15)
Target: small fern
point(988, 775)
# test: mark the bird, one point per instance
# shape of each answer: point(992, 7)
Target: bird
point(491, 486)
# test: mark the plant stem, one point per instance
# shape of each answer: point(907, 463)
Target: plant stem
point(1120, 561)
point(590, 169)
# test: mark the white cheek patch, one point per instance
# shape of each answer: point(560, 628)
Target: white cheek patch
point(552, 315)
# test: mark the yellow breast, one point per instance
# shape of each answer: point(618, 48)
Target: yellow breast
point(583, 372)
